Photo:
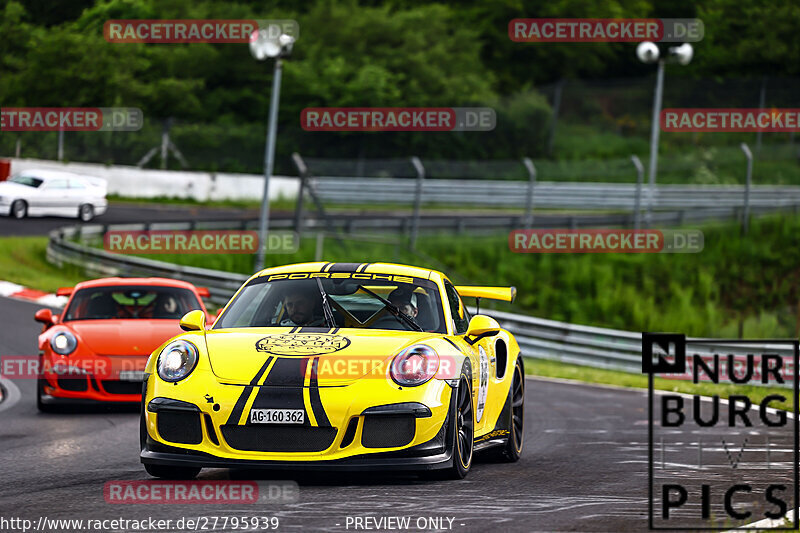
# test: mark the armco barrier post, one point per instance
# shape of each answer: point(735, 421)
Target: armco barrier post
point(531, 187)
point(637, 214)
point(302, 171)
point(318, 249)
point(746, 212)
point(60, 154)
point(417, 200)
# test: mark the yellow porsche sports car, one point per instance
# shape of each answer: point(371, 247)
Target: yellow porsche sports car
point(348, 366)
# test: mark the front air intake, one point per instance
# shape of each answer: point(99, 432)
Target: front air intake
point(182, 427)
point(388, 431)
point(259, 438)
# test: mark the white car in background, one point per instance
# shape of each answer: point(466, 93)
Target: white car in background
point(37, 193)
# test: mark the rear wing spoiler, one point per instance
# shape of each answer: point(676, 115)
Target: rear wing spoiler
point(64, 291)
point(506, 294)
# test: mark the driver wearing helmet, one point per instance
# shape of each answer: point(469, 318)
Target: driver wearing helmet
point(302, 307)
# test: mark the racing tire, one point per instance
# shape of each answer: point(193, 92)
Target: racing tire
point(462, 431)
point(19, 209)
point(40, 405)
point(510, 453)
point(85, 213)
point(172, 472)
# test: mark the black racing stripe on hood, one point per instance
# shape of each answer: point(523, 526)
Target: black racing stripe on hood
point(236, 414)
point(287, 372)
point(283, 388)
point(316, 401)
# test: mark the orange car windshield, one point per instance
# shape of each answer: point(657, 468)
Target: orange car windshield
point(131, 302)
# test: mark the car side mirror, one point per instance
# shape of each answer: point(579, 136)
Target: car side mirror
point(193, 321)
point(45, 316)
point(483, 326)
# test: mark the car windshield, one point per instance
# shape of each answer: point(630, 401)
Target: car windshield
point(131, 302)
point(30, 181)
point(269, 302)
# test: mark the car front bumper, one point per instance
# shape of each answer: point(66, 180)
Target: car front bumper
point(433, 455)
point(400, 435)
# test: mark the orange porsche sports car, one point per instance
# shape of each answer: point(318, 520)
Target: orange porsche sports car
point(96, 350)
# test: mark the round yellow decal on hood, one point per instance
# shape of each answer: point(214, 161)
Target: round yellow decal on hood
point(302, 344)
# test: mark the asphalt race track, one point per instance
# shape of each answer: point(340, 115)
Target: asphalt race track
point(584, 466)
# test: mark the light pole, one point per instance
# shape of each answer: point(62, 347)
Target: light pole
point(648, 52)
point(266, 43)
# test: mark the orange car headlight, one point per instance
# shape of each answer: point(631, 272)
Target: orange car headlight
point(63, 343)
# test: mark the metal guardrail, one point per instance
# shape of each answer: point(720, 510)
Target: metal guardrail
point(610, 348)
point(545, 195)
point(97, 262)
point(538, 337)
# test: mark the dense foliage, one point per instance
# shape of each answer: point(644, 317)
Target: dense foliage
point(368, 53)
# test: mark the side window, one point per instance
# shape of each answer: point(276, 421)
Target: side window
point(75, 184)
point(57, 184)
point(457, 310)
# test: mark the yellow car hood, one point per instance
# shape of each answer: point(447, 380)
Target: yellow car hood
point(238, 355)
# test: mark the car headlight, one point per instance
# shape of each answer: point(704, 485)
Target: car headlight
point(414, 366)
point(63, 343)
point(177, 360)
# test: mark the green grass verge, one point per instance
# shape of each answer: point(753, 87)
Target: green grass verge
point(23, 260)
point(555, 369)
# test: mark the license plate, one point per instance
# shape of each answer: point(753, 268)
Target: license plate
point(131, 375)
point(277, 416)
